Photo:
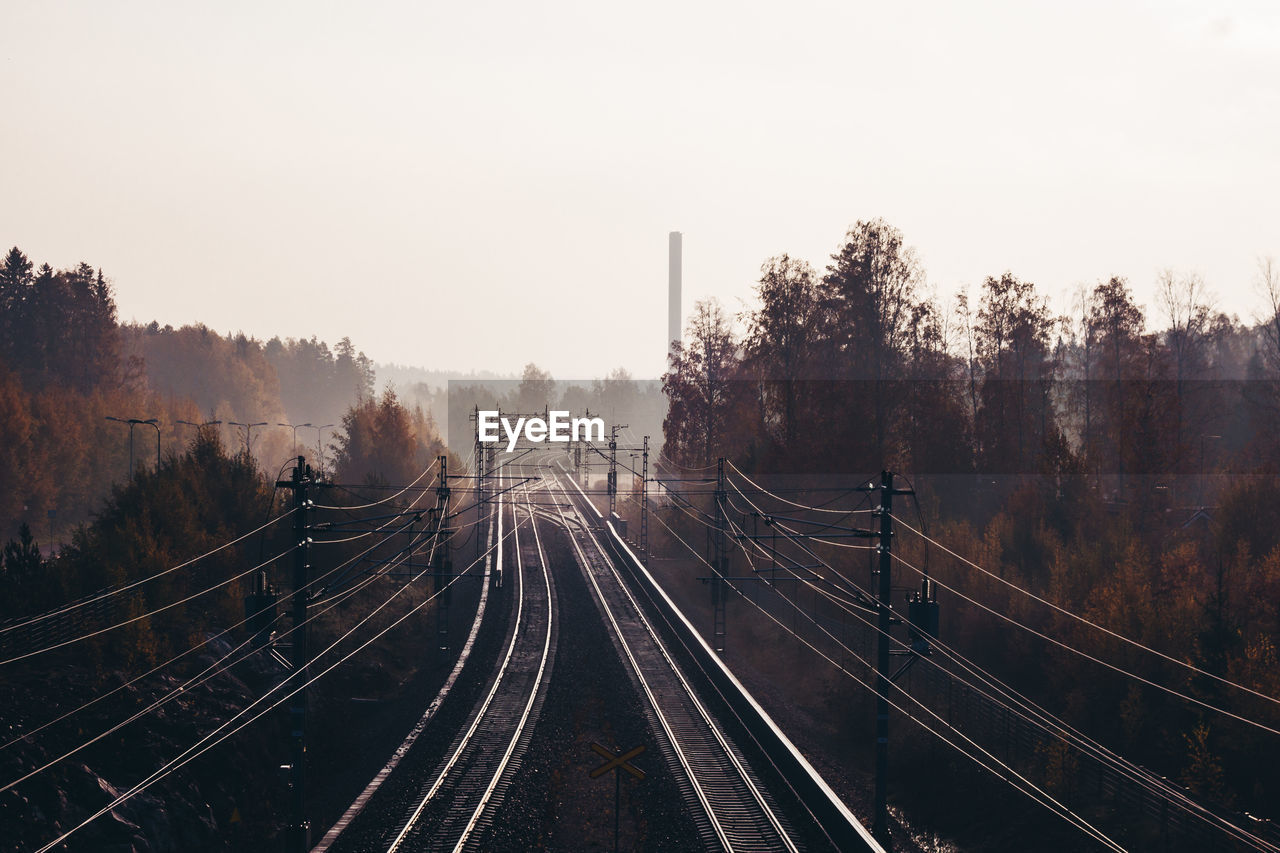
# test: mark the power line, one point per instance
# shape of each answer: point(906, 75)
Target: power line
point(415, 482)
point(150, 613)
point(1160, 788)
point(793, 503)
point(1089, 623)
point(153, 670)
point(1054, 727)
point(94, 599)
point(1031, 790)
point(209, 742)
point(812, 537)
point(662, 454)
point(1056, 642)
point(1090, 657)
point(212, 671)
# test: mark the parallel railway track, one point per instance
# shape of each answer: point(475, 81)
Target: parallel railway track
point(731, 807)
point(449, 793)
point(458, 805)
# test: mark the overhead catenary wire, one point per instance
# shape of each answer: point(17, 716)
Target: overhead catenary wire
point(1027, 787)
point(662, 455)
point(390, 520)
point(388, 498)
point(409, 509)
point(1082, 620)
point(744, 476)
point(1158, 787)
point(311, 584)
point(1069, 735)
point(1031, 789)
point(1066, 646)
point(218, 735)
point(212, 671)
point(810, 536)
point(105, 594)
point(150, 613)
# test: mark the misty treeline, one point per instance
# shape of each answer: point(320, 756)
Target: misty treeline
point(144, 615)
point(66, 365)
point(618, 398)
point(1118, 460)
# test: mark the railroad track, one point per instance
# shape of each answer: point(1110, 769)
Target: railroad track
point(457, 805)
point(492, 566)
point(728, 802)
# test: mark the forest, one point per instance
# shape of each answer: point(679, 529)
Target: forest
point(88, 510)
point(70, 373)
point(67, 367)
point(1111, 462)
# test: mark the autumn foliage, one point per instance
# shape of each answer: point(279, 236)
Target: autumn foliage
point(1116, 462)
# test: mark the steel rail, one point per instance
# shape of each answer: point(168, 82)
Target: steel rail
point(715, 773)
point(493, 721)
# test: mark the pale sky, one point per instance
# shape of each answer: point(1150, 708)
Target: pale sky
point(478, 185)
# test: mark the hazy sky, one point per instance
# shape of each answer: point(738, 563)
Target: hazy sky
point(477, 185)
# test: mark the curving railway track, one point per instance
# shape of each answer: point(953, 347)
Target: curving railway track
point(447, 802)
point(458, 805)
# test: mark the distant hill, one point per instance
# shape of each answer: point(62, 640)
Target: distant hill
point(403, 377)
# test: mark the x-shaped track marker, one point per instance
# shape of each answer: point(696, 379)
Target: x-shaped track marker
point(616, 762)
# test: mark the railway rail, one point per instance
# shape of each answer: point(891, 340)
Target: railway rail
point(731, 807)
point(449, 796)
point(492, 566)
point(459, 804)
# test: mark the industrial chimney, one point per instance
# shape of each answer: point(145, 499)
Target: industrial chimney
point(674, 314)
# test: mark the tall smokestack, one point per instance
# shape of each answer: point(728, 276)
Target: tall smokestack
point(674, 313)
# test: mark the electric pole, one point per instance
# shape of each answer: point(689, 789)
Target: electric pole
point(611, 484)
point(300, 827)
point(481, 528)
point(613, 468)
point(922, 610)
point(720, 563)
point(884, 679)
point(442, 562)
point(644, 502)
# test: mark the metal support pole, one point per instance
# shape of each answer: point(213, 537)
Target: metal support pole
point(300, 828)
point(443, 563)
point(881, 827)
point(720, 560)
point(157, 426)
point(613, 472)
point(479, 474)
point(644, 503)
point(613, 468)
